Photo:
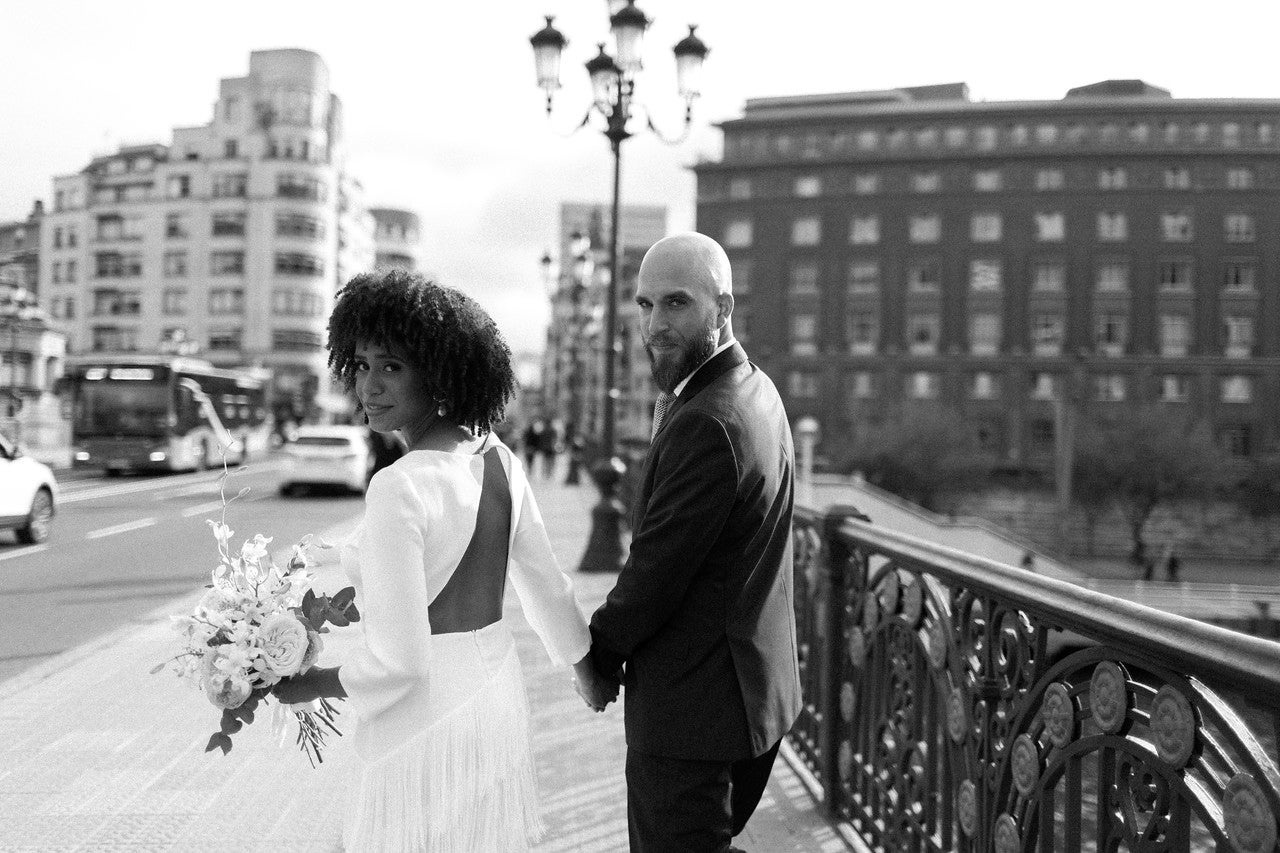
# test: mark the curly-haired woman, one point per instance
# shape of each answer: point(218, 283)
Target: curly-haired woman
point(442, 729)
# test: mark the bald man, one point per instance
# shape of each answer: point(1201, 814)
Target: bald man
point(701, 620)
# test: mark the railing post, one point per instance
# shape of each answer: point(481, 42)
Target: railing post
point(838, 558)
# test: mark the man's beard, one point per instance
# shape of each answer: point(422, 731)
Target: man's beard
point(668, 374)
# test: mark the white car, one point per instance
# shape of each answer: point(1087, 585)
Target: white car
point(327, 455)
point(28, 493)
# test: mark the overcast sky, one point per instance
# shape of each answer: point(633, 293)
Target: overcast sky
point(443, 116)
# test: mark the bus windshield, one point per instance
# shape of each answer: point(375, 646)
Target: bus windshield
point(105, 407)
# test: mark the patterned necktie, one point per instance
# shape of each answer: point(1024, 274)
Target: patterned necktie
point(660, 407)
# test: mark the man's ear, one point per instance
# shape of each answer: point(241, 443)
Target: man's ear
point(724, 308)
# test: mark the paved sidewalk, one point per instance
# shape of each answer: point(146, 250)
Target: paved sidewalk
point(97, 755)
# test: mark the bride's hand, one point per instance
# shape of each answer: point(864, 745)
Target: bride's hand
point(594, 689)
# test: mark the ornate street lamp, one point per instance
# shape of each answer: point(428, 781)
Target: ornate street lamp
point(613, 83)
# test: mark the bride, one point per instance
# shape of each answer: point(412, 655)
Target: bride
point(442, 721)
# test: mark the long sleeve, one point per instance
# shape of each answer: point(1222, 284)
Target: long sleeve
point(546, 592)
point(385, 676)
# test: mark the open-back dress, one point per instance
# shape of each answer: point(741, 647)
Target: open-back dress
point(442, 720)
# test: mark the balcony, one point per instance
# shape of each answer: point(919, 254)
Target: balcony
point(957, 703)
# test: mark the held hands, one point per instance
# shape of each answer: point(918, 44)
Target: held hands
point(595, 689)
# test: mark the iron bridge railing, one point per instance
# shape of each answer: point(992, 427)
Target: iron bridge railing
point(953, 703)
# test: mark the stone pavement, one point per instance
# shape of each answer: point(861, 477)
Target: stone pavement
point(97, 755)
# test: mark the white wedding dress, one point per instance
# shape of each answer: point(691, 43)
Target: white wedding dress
point(442, 721)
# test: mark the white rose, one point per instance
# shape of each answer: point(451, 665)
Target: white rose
point(227, 691)
point(217, 600)
point(284, 643)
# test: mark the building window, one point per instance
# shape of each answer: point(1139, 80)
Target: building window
point(225, 340)
point(228, 224)
point(808, 186)
point(804, 334)
point(984, 334)
point(1109, 388)
point(925, 229)
point(1239, 178)
point(1044, 386)
point(926, 182)
point(226, 263)
point(230, 148)
point(923, 385)
point(802, 384)
point(984, 227)
point(289, 185)
point(957, 137)
point(57, 272)
point(1176, 227)
point(737, 234)
point(1237, 337)
point(1175, 335)
point(1048, 332)
point(1174, 388)
point(1236, 439)
point(1237, 389)
point(296, 303)
point(984, 275)
point(897, 138)
point(1113, 227)
point(1231, 134)
point(1109, 132)
point(740, 271)
point(114, 339)
point(1113, 278)
point(922, 334)
point(867, 183)
point(298, 225)
point(298, 263)
point(802, 279)
point(924, 276)
point(1174, 276)
point(1139, 132)
point(1177, 179)
point(173, 301)
point(70, 311)
point(986, 137)
point(230, 186)
point(175, 264)
point(1049, 179)
point(295, 340)
point(1051, 227)
point(71, 271)
point(1046, 134)
point(124, 303)
point(984, 386)
point(1111, 333)
point(1240, 277)
point(226, 300)
point(1049, 277)
point(1238, 228)
point(1042, 435)
point(868, 140)
point(740, 189)
point(806, 231)
point(1200, 132)
point(864, 230)
point(1264, 132)
point(927, 137)
point(864, 277)
point(863, 331)
point(117, 265)
point(178, 186)
point(175, 225)
point(1113, 178)
point(987, 181)
point(1171, 132)
point(862, 385)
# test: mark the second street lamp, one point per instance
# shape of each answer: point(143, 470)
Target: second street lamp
point(613, 83)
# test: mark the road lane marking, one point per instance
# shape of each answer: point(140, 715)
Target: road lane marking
point(205, 488)
point(204, 479)
point(120, 528)
point(201, 509)
point(22, 552)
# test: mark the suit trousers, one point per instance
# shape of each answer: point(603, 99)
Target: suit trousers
point(676, 805)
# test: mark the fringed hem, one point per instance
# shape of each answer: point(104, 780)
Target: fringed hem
point(466, 784)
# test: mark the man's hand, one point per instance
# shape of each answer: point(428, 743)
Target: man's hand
point(315, 683)
point(596, 690)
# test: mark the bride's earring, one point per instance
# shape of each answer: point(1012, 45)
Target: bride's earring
point(441, 411)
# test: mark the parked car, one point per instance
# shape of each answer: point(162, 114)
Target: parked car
point(327, 455)
point(28, 494)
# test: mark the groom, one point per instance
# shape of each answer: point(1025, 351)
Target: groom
point(702, 614)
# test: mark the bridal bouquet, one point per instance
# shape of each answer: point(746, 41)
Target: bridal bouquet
point(259, 623)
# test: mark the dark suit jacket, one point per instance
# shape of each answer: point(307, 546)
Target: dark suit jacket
point(702, 613)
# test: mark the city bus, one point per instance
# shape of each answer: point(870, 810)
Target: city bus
point(164, 413)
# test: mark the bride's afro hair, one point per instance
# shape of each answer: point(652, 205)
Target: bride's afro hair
point(443, 332)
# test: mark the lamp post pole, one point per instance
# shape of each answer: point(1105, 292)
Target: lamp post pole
point(613, 84)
